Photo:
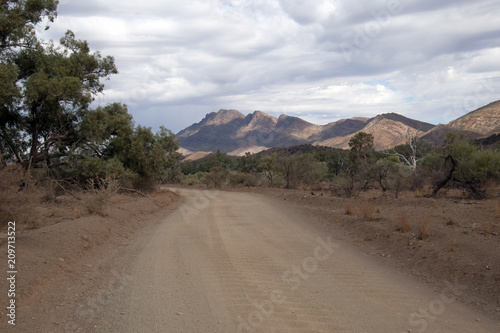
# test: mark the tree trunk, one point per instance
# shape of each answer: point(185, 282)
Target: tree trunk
point(449, 177)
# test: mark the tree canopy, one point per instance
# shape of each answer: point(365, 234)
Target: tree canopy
point(46, 96)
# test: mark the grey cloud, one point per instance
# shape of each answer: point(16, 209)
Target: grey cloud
point(180, 60)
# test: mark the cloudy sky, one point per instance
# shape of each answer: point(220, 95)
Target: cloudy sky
point(322, 60)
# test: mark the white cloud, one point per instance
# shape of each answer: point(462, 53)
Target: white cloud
point(179, 60)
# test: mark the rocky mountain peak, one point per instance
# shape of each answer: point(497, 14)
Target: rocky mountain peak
point(222, 117)
point(260, 119)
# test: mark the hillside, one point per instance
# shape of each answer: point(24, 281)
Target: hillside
point(389, 130)
point(478, 124)
point(484, 121)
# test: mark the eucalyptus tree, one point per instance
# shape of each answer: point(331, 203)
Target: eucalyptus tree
point(19, 20)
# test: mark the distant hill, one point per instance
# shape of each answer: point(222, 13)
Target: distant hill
point(484, 121)
point(388, 130)
point(234, 133)
point(478, 124)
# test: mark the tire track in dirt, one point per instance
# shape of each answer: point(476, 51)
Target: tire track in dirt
point(259, 266)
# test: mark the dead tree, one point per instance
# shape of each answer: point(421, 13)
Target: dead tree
point(412, 160)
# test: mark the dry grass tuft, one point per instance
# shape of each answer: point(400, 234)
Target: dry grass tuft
point(424, 232)
point(349, 208)
point(100, 191)
point(497, 207)
point(20, 198)
point(451, 222)
point(368, 211)
point(424, 192)
point(402, 224)
point(486, 230)
point(452, 240)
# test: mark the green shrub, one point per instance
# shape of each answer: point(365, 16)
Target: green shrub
point(465, 165)
point(243, 179)
point(216, 177)
point(194, 179)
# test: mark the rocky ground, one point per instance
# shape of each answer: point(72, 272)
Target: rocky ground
point(460, 241)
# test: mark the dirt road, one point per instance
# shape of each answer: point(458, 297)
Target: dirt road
point(237, 262)
point(224, 262)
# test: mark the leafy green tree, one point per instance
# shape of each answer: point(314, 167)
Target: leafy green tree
point(18, 20)
point(361, 157)
point(58, 86)
point(106, 131)
point(98, 168)
point(382, 169)
point(218, 159)
point(315, 172)
point(337, 161)
point(250, 163)
point(300, 169)
point(362, 150)
point(150, 155)
point(390, 174)
point(466, 165)
point(108, 136)
point(11, 139)
point(45, 95)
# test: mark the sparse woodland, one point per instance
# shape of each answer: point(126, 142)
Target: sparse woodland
point(458, 164)
point(53, 142)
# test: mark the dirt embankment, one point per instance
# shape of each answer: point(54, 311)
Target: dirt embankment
point(70, 246)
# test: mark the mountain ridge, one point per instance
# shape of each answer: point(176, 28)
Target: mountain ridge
point(232, 132)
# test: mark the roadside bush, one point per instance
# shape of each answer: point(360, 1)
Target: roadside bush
point(465, 165)
point(269, 167)
point(398, 180)
point(316, 172)
point(343, 185)
point(193, 179)
point(481, 168)
point(293, 169)
point(216, 177)
point(243, 179)
point(276, 181)
point(94, 167)
point(144, 183)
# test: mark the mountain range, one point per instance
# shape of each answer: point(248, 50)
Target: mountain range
point(234, 133)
